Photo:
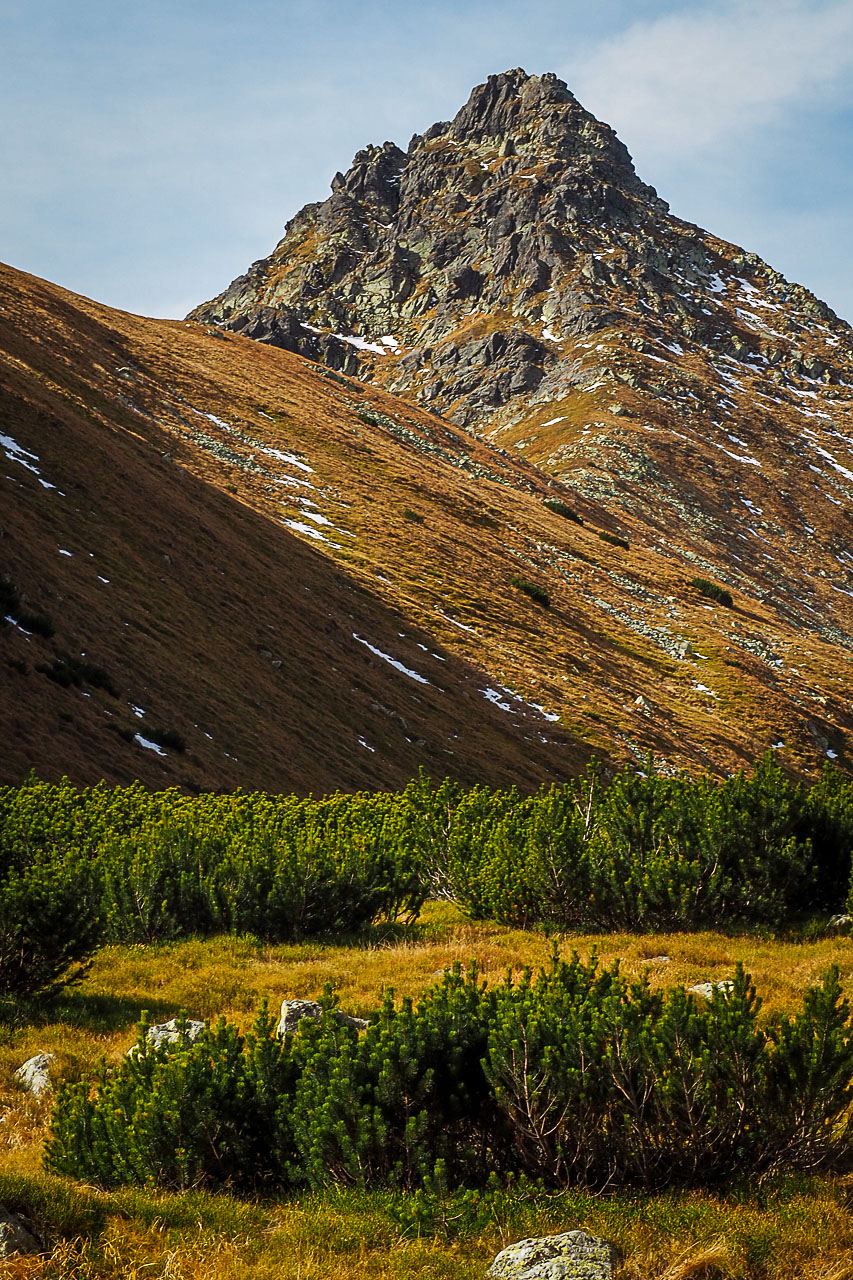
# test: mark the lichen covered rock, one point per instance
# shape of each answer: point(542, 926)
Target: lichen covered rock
point(572, 1255)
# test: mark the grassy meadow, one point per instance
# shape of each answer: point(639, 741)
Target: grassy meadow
point(796, 1227)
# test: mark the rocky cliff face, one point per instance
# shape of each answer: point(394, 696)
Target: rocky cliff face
point(468, 270)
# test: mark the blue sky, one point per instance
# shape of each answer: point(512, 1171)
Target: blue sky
point(151, 151)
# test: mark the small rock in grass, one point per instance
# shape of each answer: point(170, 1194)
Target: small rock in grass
point(573, 1255)
point(710, 989)
point(15, 1238)
point(34, 1075)
point(293, 1011)
point(169, 1033)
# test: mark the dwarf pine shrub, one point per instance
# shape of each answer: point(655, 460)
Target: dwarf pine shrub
point(577, 1077)
point(49, 920)
point(562, 509)
point(532, 589)
point(614, 539)
point(713, 591)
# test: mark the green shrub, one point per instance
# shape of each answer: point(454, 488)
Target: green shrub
point(578, 1077)
point(414, 517)
point(537, 593)
point(49, 924)
point(563, 509)
point(713, 591)
point(613, 539)
point(382, 1108)
point(196, 1114)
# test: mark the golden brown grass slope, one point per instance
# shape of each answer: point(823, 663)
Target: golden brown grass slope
point(272, 536)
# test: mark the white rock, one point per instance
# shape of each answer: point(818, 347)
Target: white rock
point(572, 1255)
point(710, 989)
point(34, 1075)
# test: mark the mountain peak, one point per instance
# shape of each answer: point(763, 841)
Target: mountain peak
point(511, 272)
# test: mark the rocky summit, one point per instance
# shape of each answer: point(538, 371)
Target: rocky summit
point(456, 270)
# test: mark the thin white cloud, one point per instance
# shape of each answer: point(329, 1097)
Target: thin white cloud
point(698, 78)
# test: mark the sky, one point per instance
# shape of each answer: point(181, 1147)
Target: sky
point(151, 151)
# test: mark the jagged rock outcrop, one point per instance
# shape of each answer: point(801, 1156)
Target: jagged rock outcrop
point(467, 270)
point(454, 255)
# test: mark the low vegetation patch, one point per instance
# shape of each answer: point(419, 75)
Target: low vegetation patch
point(563, 509)
point(614, 539)
point(537, 593)
point(713, 591)
point(11, 606)
point(68, 671)
point(169, 739)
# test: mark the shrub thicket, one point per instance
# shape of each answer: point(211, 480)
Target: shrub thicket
point(640, 852)
point(578, 1078)
point(649, 852)
point(165, 865)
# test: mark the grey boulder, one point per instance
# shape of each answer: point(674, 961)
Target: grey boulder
point(293, 1011)
point(711, 989)
point(34, 1075)
point(15, 1238)
point(170, 1033)
point(572, 1255)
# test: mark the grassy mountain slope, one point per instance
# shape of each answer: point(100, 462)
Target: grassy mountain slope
point(269, 530)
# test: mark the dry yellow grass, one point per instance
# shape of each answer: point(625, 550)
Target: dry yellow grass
point(803, 1230)
point(231, 976)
